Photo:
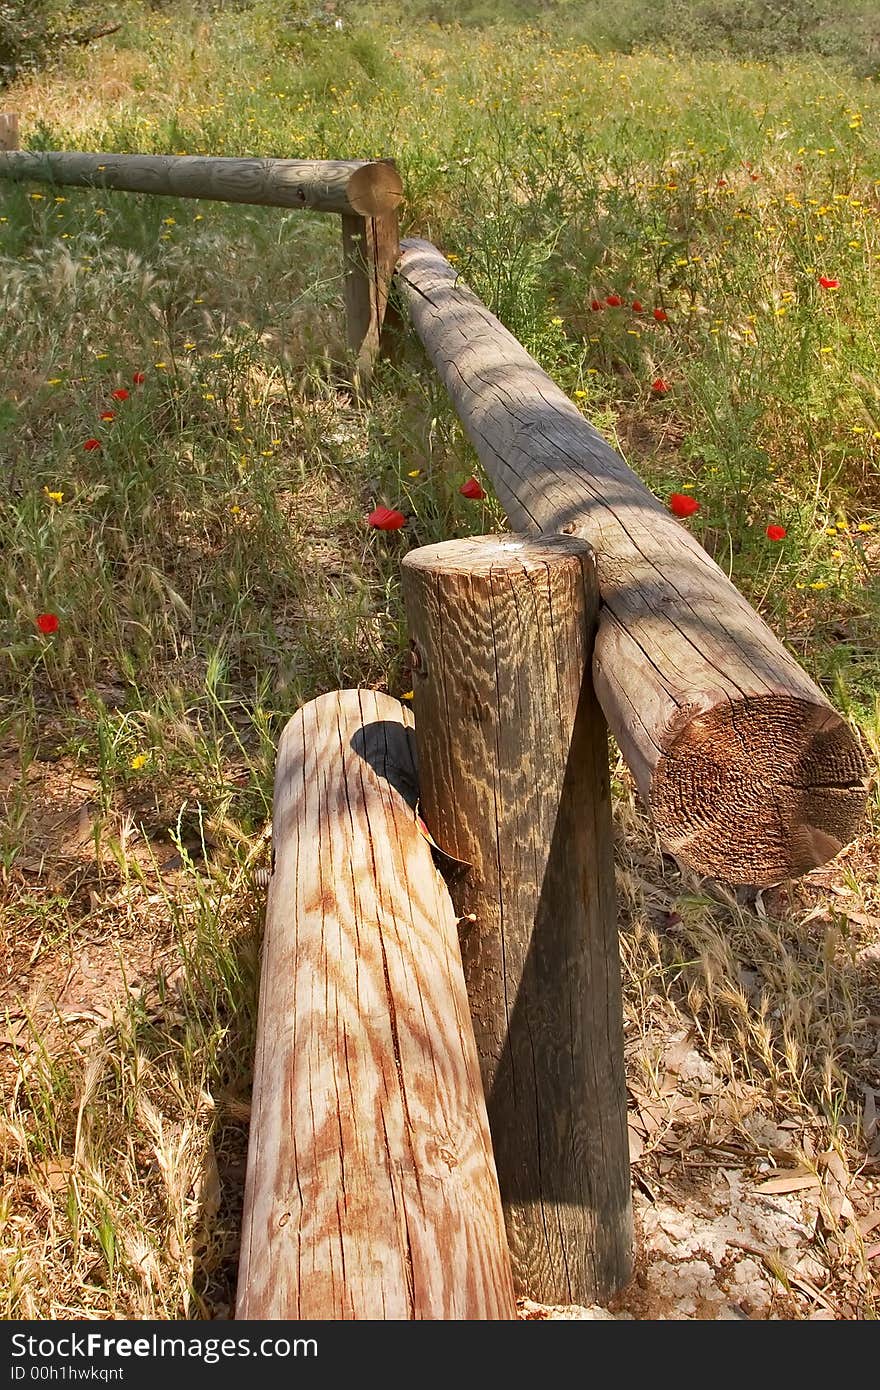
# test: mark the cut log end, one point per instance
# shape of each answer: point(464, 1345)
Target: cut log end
point(375, 189)
point(761, 790)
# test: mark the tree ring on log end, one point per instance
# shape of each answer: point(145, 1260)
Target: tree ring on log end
point(759, 790)
point(375, 189)
point(484, 554)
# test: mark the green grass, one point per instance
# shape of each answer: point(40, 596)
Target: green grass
point(210, 567)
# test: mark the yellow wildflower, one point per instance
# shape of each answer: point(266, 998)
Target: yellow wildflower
point(53, 496)
point(138, 762)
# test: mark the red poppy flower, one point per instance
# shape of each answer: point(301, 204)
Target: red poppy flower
point(659, 386)
point(613, 301)
point(637, 306)
point(106, 415)
point(660, 315)
point(121, 394)
point(722, 183)
point(138, 378)
point(776, 533)
point(472, 489)
point(91, 444)
point(682, 505)
point(47, 623)
point(828, 284)
point(596, 305)
point(386, 519)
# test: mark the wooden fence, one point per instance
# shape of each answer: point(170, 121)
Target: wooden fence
point(366, 194)
point(439, 1118)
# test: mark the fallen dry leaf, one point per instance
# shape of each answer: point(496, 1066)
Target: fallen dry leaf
point(790, 1182)
point(835, 1184)
point(867, 1222)
point(636, 1144)
point(869, 1114)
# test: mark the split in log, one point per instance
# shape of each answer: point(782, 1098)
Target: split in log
point(362, 188)
point(750, 775)
point(513, 774)
point(371, 1188)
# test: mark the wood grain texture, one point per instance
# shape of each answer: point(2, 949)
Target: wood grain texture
point(513, 757)
point(368, 188)
point(371, 1188)
point(370, 248)
point(8, 131)
point(750, 775)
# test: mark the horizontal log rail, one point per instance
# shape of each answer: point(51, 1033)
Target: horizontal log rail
point(750, 775)
point(353, 187)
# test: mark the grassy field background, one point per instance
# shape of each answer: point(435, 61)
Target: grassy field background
point(186, 476)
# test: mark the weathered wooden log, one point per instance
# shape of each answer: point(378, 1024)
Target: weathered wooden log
point(8, 131)
point(514, 780)
point(364, 188)
point(750, 775)
point(371, 1188)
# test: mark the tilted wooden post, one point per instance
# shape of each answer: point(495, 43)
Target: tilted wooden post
point(371, 1188)
point(8, 130)
point(514, 780)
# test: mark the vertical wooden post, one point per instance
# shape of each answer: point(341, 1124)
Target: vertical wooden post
point(370, 248)
point(8, 130)
point(513, 774)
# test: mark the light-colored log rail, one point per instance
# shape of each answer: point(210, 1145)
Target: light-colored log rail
point(750, 775)
point(353, 187)
point(371, 1188)
point(513, 777)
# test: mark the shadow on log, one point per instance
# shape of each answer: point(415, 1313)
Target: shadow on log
point(371, 1188)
